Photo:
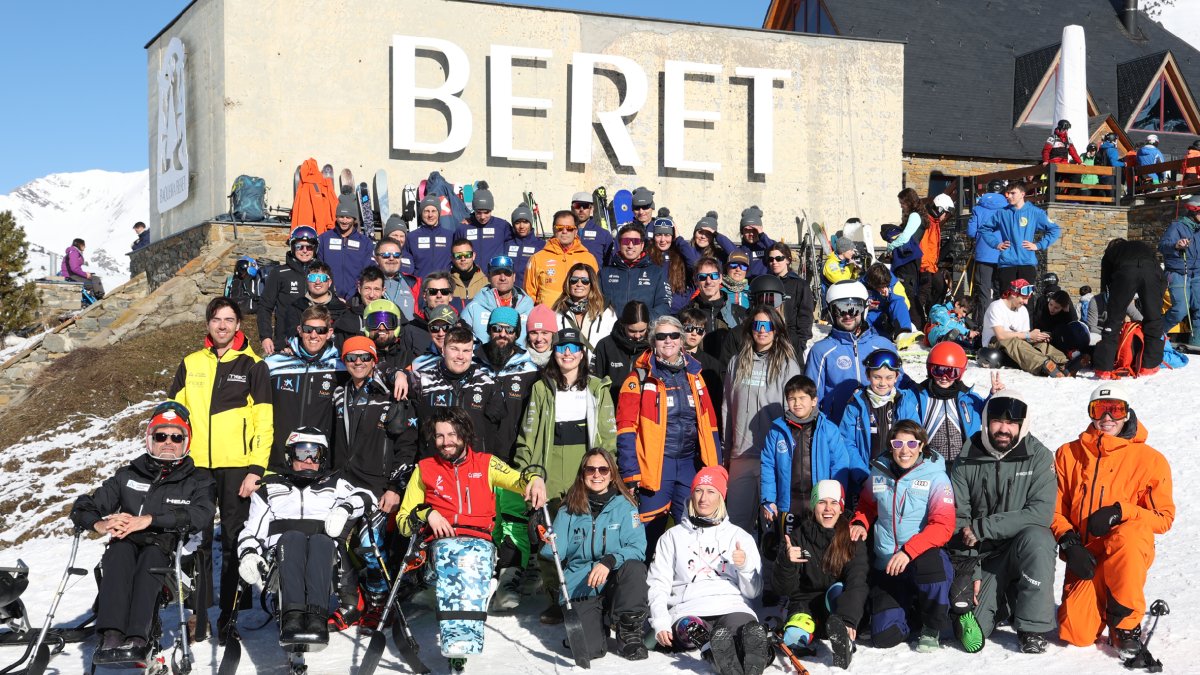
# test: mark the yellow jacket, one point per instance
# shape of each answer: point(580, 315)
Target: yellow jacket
point(548, 269)
point(836, 269)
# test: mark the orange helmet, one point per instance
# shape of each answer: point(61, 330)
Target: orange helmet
point(947, 354)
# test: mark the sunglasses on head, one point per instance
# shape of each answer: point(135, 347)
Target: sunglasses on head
point(738, 266)
point(390, 255)
point(570, 348)
point(911, 443)
point(358, 357)
point(1117, 410)
point(674, 335)
point(695, 330)
point(597, 470)
point(319, 330)
point(162, 436)
point(501, 328)
point(586, 281)
point(763, 327)
point(945, 372)
point(318, 278)
point(708, 276)
point(464, 255)
point(1008, 408)
point(440, 328)
point(439, 291)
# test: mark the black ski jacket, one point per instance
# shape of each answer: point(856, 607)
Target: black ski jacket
point(285, 284)
point(370, 432)
point(302, 387)
point(805, 583)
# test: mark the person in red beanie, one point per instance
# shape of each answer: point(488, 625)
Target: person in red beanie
point(1006, 327)
point(704, 575)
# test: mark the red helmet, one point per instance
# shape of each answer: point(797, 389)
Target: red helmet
point(948, 354)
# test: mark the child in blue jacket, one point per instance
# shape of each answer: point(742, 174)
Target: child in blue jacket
point(872, 412)
point(803, 432)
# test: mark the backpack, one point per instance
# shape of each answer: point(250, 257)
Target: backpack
point(248, 199)
point(1129, 350)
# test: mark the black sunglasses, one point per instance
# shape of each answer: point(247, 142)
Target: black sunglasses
point(161, 437)
point(667, 336)
point(439, 291)
point(581, 280)
point(364, 357)
point(319, 330)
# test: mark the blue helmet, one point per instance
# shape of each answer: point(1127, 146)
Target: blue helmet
point(302, 233)
point(247, 266)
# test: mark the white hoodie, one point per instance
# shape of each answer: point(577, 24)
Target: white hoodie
point(693, 573)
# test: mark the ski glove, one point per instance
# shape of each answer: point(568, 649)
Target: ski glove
point(252, 567)
point(335, 522)
point(1080, 561)
point(1104, 519)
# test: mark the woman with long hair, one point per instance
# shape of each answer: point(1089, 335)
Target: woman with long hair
point(909, 501)
point(823, 574)
point(906, 252)
point(628, 339)
point(705, 573)
point(582, 306)
point(798, 302)
point(603, 550)
point(665, 252)
point(754, 399)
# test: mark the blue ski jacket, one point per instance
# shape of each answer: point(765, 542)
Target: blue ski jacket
point(835, 364)
point(691, 255)
point(1020, 225)
point(969, 406)
point(985, 209)
point(856, 430)
point(943, 321)
point(429, 249)
point(613, 536)
point(347, 257)
point(1184, 227)
point(830, 460)
point(521, 249)
point(913, 511)
point(890, 315)
point(1112, 155)
point(1149, 154)
point(756, 251)
point(479, 311)
point(598, 241)
point(488, 241)
point(640, 280)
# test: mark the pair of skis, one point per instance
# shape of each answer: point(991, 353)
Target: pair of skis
point(402, 635)
point(537, 214)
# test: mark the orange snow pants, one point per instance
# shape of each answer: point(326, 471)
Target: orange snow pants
point(1116, 594)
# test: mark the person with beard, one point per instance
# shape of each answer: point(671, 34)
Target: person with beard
point(802, 449)
point(450, 495)
point(284, 285)
point(616, 353)
point(382, 323)
point(370, 289)
point(569, 412)
point(1003, 552)
point(823, 574)
point(142, 508)
point(541, 327)
point(297, 517)
point(666, 428)
point(500, 292)
point(834, 362)
point(582, 306)
point(873, 411)
point(303, 379)
point(398, 287)
point(632, 275)
point(721, 315)
point(948, 409)
point(1105, 522)
point(319, 292)
point(466, 278)
point(797, 301)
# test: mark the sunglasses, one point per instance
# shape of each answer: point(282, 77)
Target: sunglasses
point(162, 436)
point(439, 291)
point(386, 319)
point(304, 247)
point(911, 444)
point(776, 258)
point(597, 470)
point(694, 330)
point(642, 208)
point(581, 280)
point(708, 276)
point(631, 241)
point(571, 348)
point(571, 228)
point(660, 337)
point(738, 266)
point(764, 327)
point(306, 452)
point(1117, 410)
point(318, 278)
point(465, 255)
point(390, 255)
point(949, 372)
point(440, 328)
point(358, 357)
point(499, 328)
point(319, 330)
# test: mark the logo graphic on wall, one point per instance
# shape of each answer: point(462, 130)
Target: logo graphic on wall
point(172, 158)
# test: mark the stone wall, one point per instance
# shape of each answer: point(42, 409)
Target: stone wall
point(918, 168)
point(1147, 222)
point(58, 299)
point(162, 260)
point(1086, 231)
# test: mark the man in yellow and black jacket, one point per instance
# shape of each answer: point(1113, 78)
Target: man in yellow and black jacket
point(227, 388)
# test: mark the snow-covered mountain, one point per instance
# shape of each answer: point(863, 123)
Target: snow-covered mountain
point(98, 206)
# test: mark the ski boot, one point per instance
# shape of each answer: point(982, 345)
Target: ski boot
point(629, 634)
point(508, 594)
point(722, 650)
point(1128, 643)
point(372, 612)
point(458, 664)
point(1031, 643)
point(839, 642)
point(970, 636)
point(756, 648)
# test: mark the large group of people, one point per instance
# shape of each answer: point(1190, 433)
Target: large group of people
point(656, 397)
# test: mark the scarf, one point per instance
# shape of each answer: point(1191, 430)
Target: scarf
point(598, 500)
point(877, 400)
point(791, 418)
point(734, 286)
point(945, 393)
point(541, 359)
point(579, 307)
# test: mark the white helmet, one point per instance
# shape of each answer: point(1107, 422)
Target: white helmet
point(846, 290)
point(1109, 392)
point(1152, 139)
point(944, 202)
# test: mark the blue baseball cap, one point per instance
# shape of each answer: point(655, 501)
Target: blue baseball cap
point(504, 316)
point(500, 262)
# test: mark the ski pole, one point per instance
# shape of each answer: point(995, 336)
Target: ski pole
point(41, 653)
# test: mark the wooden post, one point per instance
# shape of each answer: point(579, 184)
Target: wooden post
point(1051, 182)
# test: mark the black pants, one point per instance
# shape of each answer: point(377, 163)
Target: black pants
point(92, 284)
point(1145, 279)
point(234, 512)
point(129, 593)
point(985, 288)
point(624, 593)
point(305, 569)
point(930, 293)
point(1006, 275)
point(910, 275)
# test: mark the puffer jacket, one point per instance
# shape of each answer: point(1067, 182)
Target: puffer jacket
point(315, 201)
point(943, 321)
point(612, 536)
point(548, 269)
point(302, 387)
point(830, 460)
point(693, 573)
point(283, 504)
point(806, 583)
point(913, 512)
point(641, 279)
point(229, 399)
point(835, 364)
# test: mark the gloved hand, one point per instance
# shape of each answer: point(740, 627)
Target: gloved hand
point(335, 522)
point(1080, 561)
point(1104, 519)
point(252, 567)
point(419, 516)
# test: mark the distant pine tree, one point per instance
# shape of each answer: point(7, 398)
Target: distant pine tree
point(18, 299)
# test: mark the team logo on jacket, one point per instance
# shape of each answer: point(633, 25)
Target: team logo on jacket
point(1024, 221)
point(137, 485)
point(844, 362)
point(920, 485)
point(325, 385)
point(234, 377)
point(477, 398)
point(286, 384)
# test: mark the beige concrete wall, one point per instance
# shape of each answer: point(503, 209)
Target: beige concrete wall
point(318, 84)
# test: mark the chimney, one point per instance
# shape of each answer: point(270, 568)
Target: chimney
point(1129, 16)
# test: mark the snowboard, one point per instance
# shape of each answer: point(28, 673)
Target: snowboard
point(863, 238)
point(600, 207)
point(382, 207)
point(408, 203)
point(822, 240)
point(364, 208)
point(463, 566)
point(346, 182)
point(622, 208)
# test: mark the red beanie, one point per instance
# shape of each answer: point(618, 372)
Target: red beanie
point(715, 476)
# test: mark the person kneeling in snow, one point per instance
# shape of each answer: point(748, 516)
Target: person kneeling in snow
point(169, 498)
point(1105, 522)
point(705, 572)
point(300, 514)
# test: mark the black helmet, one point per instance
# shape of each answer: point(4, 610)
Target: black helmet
point(996, 185)
point(1091, 147)
point(1049, 279)
point(1196, 144)
point(1063, 125)
point(767, 284)
point(990, 357)
point(1110, 137)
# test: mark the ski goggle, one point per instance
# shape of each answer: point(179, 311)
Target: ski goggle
point(386, 319)
point(1024, 291)
point(173, 406)
point(900, 444)
point(708, 276)
point(1007, 408)
point(162, 437)
point(848, 307)
point(307, 452)
point(318, 278)
point(882, 359)
point(1117, 410)
point(500, 263)
point(570, 348)
point(945, 372)
point(763, 327)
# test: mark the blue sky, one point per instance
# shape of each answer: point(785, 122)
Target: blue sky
point(75, 84)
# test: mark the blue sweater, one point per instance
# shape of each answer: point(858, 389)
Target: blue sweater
point(1020, 225)
point(829, 460)
point(1183, 227)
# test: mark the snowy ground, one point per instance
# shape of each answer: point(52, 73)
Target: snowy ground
point(519, 644)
